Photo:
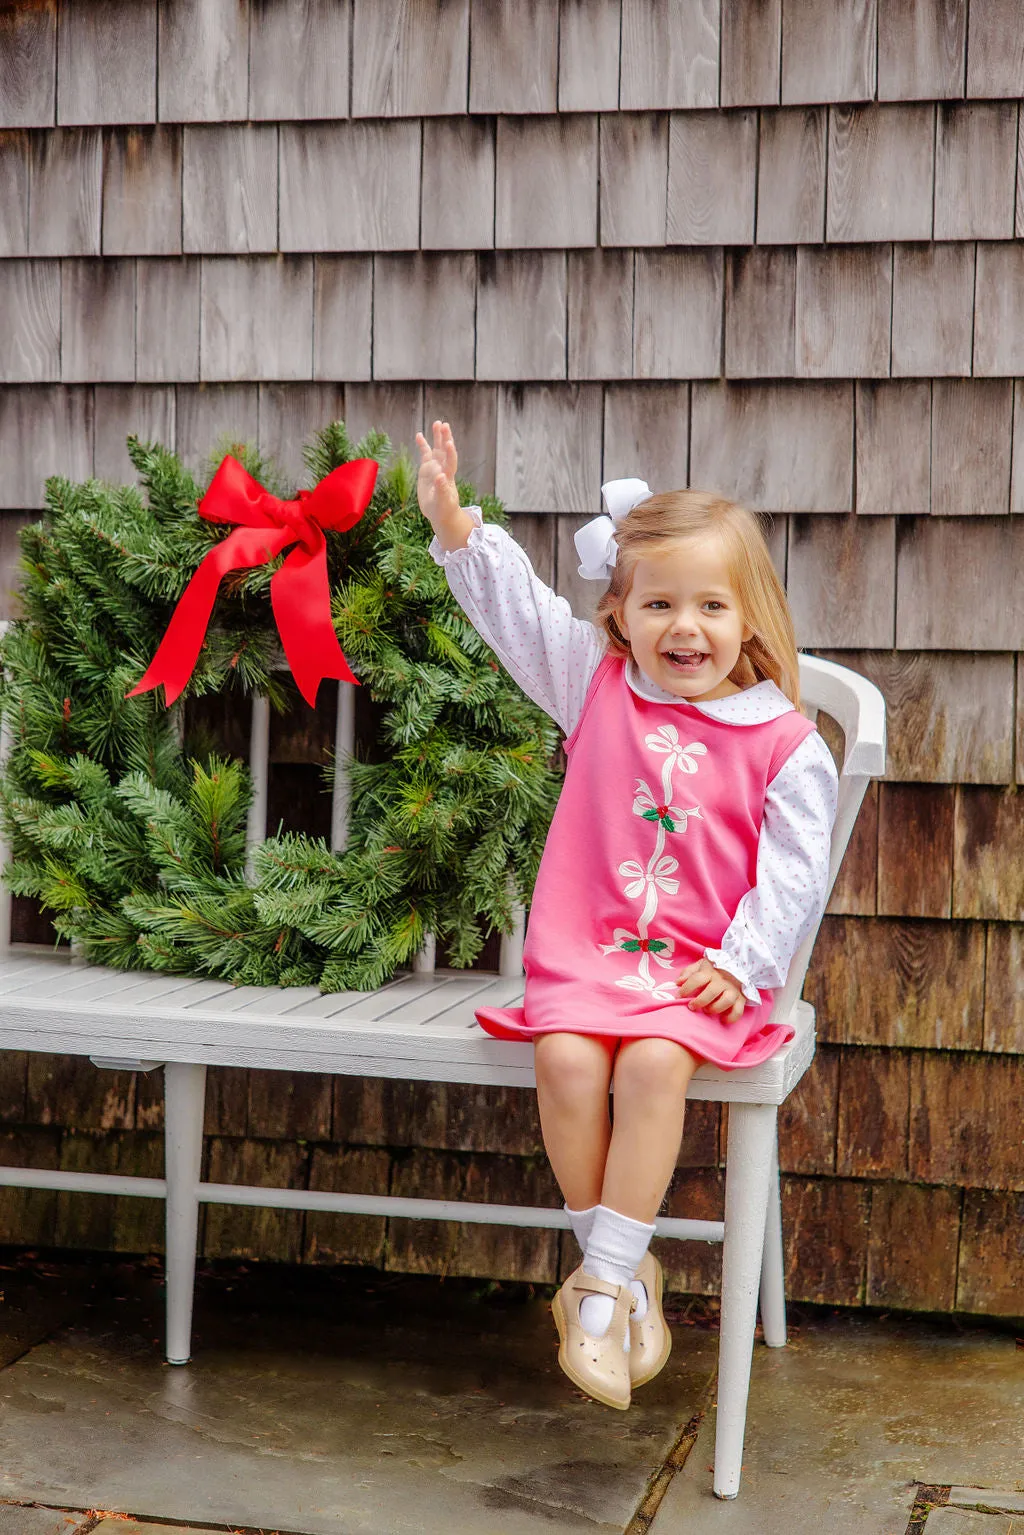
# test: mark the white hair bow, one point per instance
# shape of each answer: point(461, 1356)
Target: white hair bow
point(595, 541)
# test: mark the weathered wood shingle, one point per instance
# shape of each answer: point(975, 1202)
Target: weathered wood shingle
point(669, 54)
point(1004, 1005)
point(298, 59)
point(28, 58)
point(125, 409)
point(546, 192)
point(972, 432)
point(712, 173)
point(880, 173)
point(289, 415)
point(1017, 491)
point(409, 59)
point(975, 171)
point(29, 321)
point(204, 61)
point(995, 49)
point(775, 447)
point(106, 61)
point(600, 314)
point(921, 49)
point(142, 191)
point(167, 321)
point(457, 188)
point(999, 310)
point(205, 414)
point(372, 171)
point(751, 52)
point(894, 440)
point(760, 313)
point(932, 310)
point(424, 308)
point(841, 580)
point(828, 51)
point(98, 321)
point(474, 408)
point(393, 408)
point(843, 311)
point(928, 990)
point(677, 317)
point(43, 431)
point(549, 448)
point(647, 434)
point(229, 190)
point(256, 318)
point(958, 583)
point(512, 284)
point(588, 55)
point(13, 193)
point(791, 177)
point(64, 192)
point(949, 713)
point(988, 873)
point(342, 317)
point(634, 178)
point(915, 850)
point(513, 62)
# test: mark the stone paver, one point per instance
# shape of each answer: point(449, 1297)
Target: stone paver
point(988, 1497)
point(18, 1520)
point(960, 1521)
point(845, 1420)
point(392, 1405)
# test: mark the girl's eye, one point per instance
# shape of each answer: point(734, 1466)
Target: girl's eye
point(657, 603)
point(715, 606)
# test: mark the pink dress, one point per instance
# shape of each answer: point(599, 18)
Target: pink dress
point(652, 846)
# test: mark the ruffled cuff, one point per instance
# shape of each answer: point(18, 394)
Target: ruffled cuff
point(446, 557)
point(727, 962)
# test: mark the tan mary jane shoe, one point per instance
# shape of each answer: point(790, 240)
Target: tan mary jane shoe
point(650, 1341)
point(599, 1366)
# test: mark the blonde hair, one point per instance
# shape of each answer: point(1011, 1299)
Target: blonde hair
point(660, 521)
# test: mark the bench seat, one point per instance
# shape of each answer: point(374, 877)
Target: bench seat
point(420, 1027)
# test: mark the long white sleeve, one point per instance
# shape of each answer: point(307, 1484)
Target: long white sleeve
point(552, 655)
point(774, 917)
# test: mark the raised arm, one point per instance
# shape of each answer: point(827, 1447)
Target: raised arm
point(551, 654)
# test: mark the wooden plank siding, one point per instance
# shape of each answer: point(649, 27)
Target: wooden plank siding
point(693, 243)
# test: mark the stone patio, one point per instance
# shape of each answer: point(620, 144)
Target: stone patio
point(344, 1402)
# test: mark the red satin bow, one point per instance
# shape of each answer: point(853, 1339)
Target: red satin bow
point(299, 591)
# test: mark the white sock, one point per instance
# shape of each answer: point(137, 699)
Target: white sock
point(614, 1251)
point(581, 1222)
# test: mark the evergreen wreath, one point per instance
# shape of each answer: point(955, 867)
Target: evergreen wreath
point(133, 837)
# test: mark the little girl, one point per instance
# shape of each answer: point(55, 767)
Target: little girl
point(686, 861)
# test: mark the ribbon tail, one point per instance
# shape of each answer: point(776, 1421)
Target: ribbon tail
point(301, 598)
point(179, 649)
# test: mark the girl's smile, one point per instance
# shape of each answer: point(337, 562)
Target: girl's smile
point(683, 620)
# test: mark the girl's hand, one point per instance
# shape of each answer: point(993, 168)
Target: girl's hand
point(712, 991)
point(435, 481)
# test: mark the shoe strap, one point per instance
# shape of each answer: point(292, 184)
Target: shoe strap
point(594, 1286)
point(621, 1294)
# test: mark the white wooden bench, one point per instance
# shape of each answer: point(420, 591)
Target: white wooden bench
point(420, 1026)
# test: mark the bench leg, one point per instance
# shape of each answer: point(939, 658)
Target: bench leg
point(773, 1270)
point(747, 1180)
point(184, 1098)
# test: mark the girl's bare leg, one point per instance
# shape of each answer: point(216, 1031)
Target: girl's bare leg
point(650, 1077)
point(574, 1072)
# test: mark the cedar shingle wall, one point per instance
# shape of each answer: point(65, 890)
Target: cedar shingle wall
point(772, 248)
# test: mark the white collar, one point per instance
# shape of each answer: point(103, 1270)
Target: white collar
point(750, 706)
